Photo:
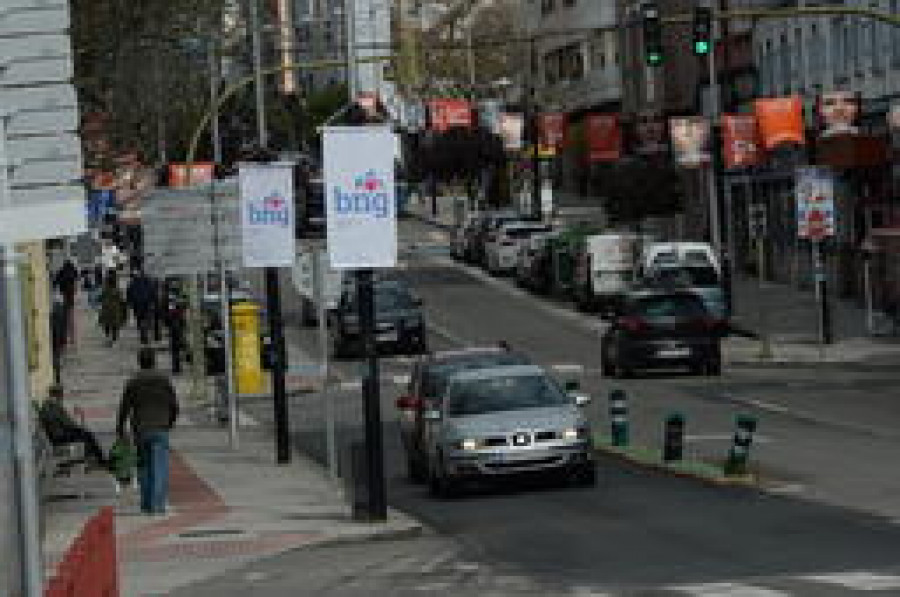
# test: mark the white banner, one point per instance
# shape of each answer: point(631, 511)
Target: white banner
point(360, 196)
point(267, 214)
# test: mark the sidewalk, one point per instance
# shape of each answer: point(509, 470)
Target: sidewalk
point(227, 507)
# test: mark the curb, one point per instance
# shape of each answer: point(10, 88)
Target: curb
point(411, 530)
point(750, 481)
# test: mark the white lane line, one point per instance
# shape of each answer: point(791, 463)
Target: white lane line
point(760, 404)
point(787, 489)
point(858, 581)
point(568, 368)
point(446, 334)
point(727, 589)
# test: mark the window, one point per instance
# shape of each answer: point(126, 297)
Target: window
point(785, 66)
point(799, 73)
point(877, 60)
point(547, 6)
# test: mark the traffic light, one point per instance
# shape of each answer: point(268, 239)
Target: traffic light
point(653, 48)
point(702, 30)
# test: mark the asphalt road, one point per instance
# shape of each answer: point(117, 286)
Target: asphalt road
point(825, 526)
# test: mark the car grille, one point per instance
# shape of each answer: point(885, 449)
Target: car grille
point(546, 461)
point(546, 436)
point(493, 442)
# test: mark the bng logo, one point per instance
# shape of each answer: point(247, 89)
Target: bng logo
point(272, 210)
point(368, 196)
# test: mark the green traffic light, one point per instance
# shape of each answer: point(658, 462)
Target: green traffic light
point(654, 59)
point(701, 48)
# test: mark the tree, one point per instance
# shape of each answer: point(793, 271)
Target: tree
point(633, 190)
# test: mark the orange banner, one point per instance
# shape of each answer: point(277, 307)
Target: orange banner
point(604, 137)
point(551, 131)
point(449, 113)
point(780, 121)
point(183, 175)
point(740, 141)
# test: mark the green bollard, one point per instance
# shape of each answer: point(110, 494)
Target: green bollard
point(739, 454)
point(618, 414)
point(673, 442)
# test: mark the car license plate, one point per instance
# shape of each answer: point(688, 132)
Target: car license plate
point(674, 353)
point(387, 336)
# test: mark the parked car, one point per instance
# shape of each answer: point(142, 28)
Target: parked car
point(661, 328)
point(428, 382)
point(528, 259)
point(485, 231)
point(399, 320)
point(503, 248)
point(683, 253)
point(605, 269)
point(462, 243)
point(502, 421)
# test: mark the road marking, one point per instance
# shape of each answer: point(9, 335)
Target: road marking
point(587, 592)
point(769, 406)
point(858, 581)
point(568, 368)
point(349, 386)
point(446, 334)
point(787, 489)
point(727, 589)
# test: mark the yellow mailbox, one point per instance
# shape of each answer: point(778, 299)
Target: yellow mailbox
point(248, 372)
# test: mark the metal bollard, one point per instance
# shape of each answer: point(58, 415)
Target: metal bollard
point(673, 444)
point(618, 414)
point(739, 454)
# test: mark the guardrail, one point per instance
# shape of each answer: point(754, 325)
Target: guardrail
point(90, 567)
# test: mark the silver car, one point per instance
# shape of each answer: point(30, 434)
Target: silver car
point(503, 421)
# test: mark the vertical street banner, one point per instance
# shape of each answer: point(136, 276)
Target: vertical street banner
point(780, 121)
point(185, 175)
point(267, 214)
point(446, 114)
point(740, 141)
point(604, 137)
point(815, 203)
point(551, 132)
point(360, 197)
point(512, 126)
point(690, 141)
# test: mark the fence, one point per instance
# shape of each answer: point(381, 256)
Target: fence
point(89, 568)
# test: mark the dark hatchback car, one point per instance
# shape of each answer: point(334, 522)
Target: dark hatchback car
point(399, 321)
point(428, 382)
point(662, 329)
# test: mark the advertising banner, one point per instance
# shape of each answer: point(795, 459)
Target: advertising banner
point(360, 198)
point(780, 121)
point(649, 135)
point(604, 137)
point(267, 214)
point(690, 141)
point(740, 141)
point(449, 113)
point(815, 203)
point(837, 113)
point(184, 175)
point(512, 126)
point(551, 131)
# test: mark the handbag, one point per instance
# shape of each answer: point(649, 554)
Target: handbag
point(123, 459)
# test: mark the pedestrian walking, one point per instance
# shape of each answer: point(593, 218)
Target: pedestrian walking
point(66, 280)
point(58, 331)
point(112, 308)
point(150, 405)
point(142, 302)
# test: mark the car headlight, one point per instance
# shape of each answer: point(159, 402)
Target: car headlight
point(570, 434)
point(467, 444)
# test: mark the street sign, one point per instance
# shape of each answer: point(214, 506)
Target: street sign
point(267, 214)
point(360, 197)
point(178, 233)
point(815, 203)
point(757, 221)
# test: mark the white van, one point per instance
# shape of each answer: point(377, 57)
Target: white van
point(605, 268)
point(685, 254)
point(503, 251)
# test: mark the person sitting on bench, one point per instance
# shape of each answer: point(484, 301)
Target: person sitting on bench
point(62, 430)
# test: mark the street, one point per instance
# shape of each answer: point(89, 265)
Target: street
point(826, 509)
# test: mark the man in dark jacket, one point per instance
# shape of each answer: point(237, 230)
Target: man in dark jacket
point(66, 281)
point(149, 402)
point(142, 301)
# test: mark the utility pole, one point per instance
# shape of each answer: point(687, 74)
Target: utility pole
point(273, 286)
point(531, 116)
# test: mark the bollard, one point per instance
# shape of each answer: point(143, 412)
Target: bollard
point(739, 454)
point(618, 414)
point(673, 444)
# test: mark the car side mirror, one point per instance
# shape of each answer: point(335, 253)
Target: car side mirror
point(432, 414)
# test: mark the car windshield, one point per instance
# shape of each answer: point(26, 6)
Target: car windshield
point(386, 299)
point(436, 377)
point(670, 306)
point(687, 276)
point(497, 394)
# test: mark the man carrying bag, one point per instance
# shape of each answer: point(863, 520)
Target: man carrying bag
point(149, 402)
